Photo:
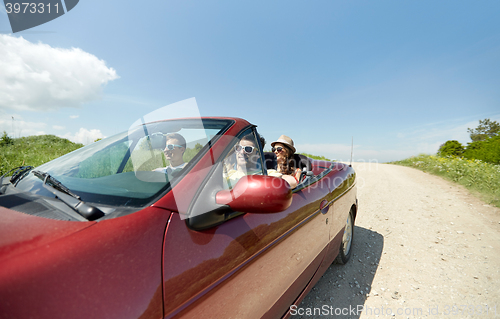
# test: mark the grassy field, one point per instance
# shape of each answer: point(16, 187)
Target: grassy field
point(33, 150)
point(482, 179)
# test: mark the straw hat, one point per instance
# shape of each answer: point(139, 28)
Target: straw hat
point(286, 141)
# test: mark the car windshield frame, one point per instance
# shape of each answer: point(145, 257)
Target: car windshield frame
point(129, 180)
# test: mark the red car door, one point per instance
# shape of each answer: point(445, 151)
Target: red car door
point(251, 266)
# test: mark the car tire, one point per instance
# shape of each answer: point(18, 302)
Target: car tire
point(345, 249)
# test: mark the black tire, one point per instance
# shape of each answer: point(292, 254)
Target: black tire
point(345, 250)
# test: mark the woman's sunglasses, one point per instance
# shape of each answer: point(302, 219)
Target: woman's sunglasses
point(279, 149)
point(171, 146)
point(246, 149)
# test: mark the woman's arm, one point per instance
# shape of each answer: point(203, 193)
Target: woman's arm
point(291, 180)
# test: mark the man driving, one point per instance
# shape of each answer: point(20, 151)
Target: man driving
point(174, 150)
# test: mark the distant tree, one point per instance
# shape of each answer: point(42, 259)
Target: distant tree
point(486, 128)
point(191, 152)
point(451, 148)
point(6, 139)
point(97, 140)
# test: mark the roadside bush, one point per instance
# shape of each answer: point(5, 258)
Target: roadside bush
point(451, 148)
point(487, 150)
point(5, 140)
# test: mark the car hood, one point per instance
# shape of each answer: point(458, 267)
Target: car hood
point(20, 232)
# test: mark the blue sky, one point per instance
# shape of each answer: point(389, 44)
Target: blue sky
point(400, 77)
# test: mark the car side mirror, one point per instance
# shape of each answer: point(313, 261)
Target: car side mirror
point(257, 194)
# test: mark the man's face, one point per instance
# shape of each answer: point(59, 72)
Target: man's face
point(174, 155)
point(243, 158)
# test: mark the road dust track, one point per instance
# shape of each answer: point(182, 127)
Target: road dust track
point(423, 248)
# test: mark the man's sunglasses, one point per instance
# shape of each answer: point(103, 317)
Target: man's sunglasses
point(171, 146)
point(246, 149)
point(279, 149)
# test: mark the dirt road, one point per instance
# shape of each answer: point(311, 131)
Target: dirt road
point(423, 248)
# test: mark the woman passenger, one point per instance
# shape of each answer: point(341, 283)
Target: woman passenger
point(284, 150)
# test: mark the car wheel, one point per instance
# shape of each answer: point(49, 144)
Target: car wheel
point(346, 245)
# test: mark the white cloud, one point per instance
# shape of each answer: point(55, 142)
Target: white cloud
point(18, 127)
point(429, 137)
point(74, 116)
point(84, 136)
point(40, 77)
point(443, 133)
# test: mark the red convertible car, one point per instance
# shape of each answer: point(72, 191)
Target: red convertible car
point(122, 228)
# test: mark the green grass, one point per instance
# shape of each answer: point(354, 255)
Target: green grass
point(316, 157)
point(482, 179)
point(33, 150)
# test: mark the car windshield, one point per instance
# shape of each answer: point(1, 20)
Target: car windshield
point(134, 167)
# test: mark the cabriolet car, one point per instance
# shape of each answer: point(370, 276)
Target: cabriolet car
point(116, 230)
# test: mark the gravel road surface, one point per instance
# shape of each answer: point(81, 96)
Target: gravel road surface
point(423, 248)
